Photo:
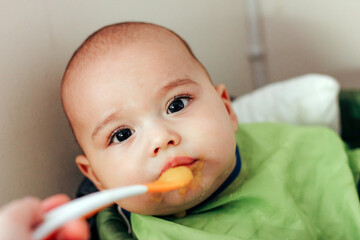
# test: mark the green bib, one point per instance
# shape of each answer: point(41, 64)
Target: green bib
point(295, 183)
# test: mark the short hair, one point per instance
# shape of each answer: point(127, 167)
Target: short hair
point(100, 41)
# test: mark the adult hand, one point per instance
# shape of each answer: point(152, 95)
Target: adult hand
point(19, 218)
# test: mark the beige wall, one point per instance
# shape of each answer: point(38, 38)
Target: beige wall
point(39, 36)
point(313, 36)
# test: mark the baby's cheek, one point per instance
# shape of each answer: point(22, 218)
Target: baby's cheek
point(115, 177)
point(139, 204)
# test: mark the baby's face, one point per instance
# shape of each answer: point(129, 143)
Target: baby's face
point(140, 110)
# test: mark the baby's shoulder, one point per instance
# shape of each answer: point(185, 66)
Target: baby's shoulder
point(278, 132)
point(264, 142)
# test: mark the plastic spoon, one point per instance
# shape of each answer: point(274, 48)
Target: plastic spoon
point(171, 179)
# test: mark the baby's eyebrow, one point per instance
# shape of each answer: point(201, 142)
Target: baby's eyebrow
point(176, 83)
point(102, 124)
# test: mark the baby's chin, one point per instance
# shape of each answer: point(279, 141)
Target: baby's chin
point(164, 203)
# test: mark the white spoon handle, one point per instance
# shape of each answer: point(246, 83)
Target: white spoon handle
point(83, 206)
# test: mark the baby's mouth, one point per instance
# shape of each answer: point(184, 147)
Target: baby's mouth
point(179, 161)
point(195, 165)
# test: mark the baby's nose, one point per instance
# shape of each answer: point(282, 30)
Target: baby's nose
point(156, 150)
point(163, 138)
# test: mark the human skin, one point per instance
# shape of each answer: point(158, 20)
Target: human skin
point(19, 218)
point(160, 107)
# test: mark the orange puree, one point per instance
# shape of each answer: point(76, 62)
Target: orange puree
point(171, 179)
point(181, 177)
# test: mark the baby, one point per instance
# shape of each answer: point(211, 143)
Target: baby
point(139, 102)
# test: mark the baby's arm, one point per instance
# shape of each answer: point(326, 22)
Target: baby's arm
point(111, 225)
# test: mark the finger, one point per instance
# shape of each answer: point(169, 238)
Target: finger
point(18, 217)
point(54, 201)
point(27, 211)
point(74, 230)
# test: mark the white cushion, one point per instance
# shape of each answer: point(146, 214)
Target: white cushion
point(306, 100)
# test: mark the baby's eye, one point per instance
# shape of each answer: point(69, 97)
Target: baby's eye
point(177, 104)
point(120, 135)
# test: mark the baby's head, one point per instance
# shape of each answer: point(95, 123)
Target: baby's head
point(139, 102)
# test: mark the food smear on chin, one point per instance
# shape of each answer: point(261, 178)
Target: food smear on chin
point(156, 197)
point(196, 169)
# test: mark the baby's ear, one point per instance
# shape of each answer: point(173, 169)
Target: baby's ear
point(221, 90)
point(85, 167)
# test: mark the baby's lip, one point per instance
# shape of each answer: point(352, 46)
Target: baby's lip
point(178, 161)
